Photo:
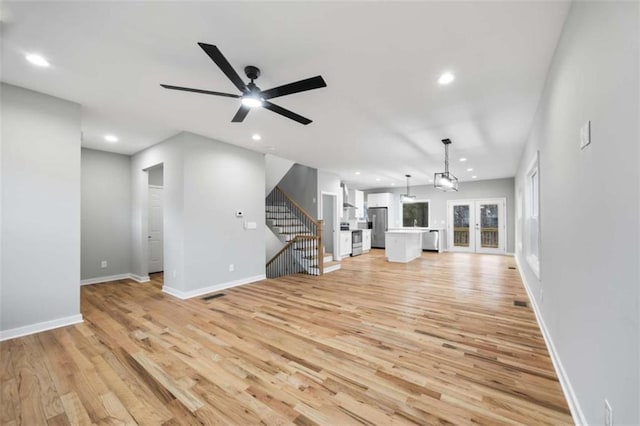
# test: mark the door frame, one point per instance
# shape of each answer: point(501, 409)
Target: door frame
point(474, 206)
point(336, 220)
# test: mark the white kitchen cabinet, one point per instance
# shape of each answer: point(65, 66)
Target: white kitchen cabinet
point(345, 243)
point(366, 240)
point(379, 200)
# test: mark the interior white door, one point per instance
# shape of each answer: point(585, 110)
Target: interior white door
point(155, 237)
point(477, 226)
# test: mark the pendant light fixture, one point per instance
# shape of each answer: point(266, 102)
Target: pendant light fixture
point(407, 198)
point(445, 181)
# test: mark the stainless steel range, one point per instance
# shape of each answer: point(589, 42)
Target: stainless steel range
point(356, 242)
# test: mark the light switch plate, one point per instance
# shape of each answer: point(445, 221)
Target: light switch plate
point(585, 134)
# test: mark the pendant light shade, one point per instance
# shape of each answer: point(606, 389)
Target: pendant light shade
point(407, 198)
point(445, 181)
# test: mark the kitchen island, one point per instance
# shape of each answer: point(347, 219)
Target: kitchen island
point(403, 245)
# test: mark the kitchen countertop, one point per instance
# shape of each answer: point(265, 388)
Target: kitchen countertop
point(406, 231)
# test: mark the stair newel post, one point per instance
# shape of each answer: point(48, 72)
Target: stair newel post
point(319, 248)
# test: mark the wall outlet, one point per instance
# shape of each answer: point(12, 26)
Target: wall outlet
point(103, 264)
point(231, 267)
point(608, 414)
point(585, 135)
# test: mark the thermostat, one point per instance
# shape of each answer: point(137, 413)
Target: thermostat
point(239, 213)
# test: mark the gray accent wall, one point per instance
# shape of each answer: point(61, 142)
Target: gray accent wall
point(106, 214)
point(588, 293)
point(494, 188)
point(156, 177)
point(40, 209)
point(301, 184)
point(205, 182)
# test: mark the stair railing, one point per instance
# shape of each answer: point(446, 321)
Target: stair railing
point(291, 258)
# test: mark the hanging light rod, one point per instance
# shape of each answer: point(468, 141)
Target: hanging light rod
point(445, 181)
point(407, 198)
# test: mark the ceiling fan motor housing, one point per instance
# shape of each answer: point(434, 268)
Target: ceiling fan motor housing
point(252, 72)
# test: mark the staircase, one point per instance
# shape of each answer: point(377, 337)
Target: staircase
point(302, 237)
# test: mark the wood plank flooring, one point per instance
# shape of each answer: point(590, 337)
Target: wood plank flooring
point(435, 341)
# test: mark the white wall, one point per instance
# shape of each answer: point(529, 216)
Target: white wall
point(275, 169)
point(588, 292)
point(106, 214)
point(170, 154)
point(205, 182)
point(41, 211)
point(494, 188)
point(219, 179)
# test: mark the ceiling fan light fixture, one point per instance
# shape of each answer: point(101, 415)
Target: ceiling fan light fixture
point(445, 181)
point(251, 101)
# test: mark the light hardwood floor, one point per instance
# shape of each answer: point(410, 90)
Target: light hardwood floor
point(435, 341)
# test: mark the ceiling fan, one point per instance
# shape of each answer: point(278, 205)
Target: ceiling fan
point(252, 96)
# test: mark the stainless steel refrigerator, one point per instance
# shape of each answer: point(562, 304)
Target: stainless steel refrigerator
point(379, 225)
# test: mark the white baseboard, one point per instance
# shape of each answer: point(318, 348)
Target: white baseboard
point(567, 389)
point(140, 278)
point(40, 326)
point(118, 277)
point(332, 268)
point(211, 289)
point(105, 279)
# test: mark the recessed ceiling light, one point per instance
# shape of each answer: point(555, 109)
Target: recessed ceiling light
point(446, 78)
point(357, 173)
point(463, 159)
point(111, 138)
point(256, 137)
point(377, 179)
point(37, 60)
point(393, 184)
point(469, 169)
point(474, 177)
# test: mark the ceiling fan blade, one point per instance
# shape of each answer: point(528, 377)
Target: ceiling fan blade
point(217, 57)
point(206, 92)
point(299, 86)
point(285, 112)
point(241, 114)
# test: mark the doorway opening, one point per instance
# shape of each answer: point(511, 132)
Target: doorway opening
point(155, 237)
point(330, 219)
point(477, 226)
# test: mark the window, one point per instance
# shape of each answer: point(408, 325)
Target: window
point(415, 214)
point(532, 209)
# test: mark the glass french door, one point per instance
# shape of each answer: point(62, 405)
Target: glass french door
point(477, 226)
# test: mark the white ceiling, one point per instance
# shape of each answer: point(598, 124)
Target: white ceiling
point(383, 113)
